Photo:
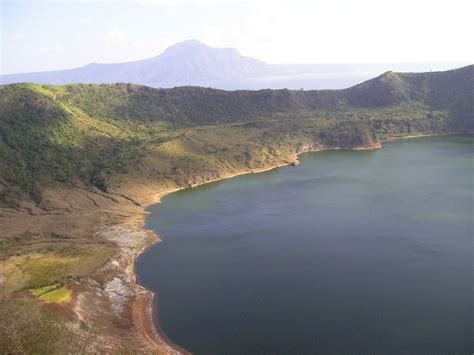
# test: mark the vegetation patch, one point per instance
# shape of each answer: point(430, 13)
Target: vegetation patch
point(27, 328)
point(53, 293)
point(38, 271)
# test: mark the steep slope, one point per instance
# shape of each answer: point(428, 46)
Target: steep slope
point(450, 90)
point(78, 126)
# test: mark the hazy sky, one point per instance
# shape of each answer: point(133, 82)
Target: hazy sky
point(39, 35)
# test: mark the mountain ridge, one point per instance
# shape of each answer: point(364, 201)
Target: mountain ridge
point(186, 61)
point(192, 62)
point(391, 104)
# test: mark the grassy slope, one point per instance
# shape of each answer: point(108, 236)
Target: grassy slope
point(103, 134)
point(106, 141)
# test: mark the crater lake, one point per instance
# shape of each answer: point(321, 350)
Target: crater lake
point(350, 252)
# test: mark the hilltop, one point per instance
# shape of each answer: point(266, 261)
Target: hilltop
point(80, 162)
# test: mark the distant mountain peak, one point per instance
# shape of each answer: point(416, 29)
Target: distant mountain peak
point(389, 75)
point(192, 62)
point(194, 46)
point(183, 63)
point(189, 44)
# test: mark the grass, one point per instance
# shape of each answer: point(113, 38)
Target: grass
point(53, 293)
point(59, 295)
point(27, 328)
point(42, 290)
point(38, 271)
point(46, 269)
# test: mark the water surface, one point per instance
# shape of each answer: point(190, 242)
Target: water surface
point(349, 253)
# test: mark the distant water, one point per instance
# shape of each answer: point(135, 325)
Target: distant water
point(349, 253)
point(319, 76)
point(308, 81)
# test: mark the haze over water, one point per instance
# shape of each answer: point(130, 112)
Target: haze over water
point(350, 252)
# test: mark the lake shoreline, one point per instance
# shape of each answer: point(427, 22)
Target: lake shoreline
point(152, 301)
point(148, 312)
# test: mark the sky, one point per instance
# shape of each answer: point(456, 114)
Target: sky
point(39, 35)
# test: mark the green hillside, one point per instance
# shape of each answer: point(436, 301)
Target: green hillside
point(108, 135)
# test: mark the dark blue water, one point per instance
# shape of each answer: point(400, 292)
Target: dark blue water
point(349, 253)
